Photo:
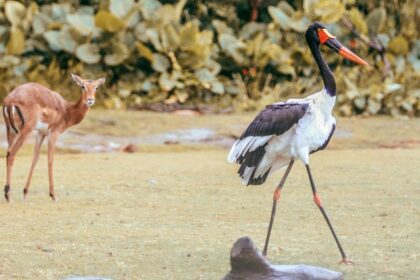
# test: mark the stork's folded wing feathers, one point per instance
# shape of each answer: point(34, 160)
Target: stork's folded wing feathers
point(249, 149)
point(276, 119)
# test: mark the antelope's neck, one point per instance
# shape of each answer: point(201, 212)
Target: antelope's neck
point(327, 75)
point(76, 112)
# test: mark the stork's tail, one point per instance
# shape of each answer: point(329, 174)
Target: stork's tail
point(249, 165)
point(256, 165)
point(249, 152)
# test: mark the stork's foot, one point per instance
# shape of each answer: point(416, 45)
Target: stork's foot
point(264, 253)
point(6, 193)
point(346, 261)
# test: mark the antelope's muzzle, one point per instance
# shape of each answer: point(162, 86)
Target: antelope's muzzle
point(90, 101)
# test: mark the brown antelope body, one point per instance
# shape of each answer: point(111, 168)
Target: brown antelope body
point(33, 107)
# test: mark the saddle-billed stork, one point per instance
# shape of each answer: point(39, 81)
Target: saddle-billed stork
point(287, 131)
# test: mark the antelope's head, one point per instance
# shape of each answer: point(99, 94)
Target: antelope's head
point(89, 88)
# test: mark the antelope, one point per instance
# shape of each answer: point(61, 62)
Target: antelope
point(33, 107)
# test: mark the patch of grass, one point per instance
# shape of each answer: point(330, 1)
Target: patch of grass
point(175, 215)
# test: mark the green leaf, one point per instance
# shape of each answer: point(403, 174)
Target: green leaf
point(148, 8)
point(398, 45)
point(40, 23)
point(222, 27)
point(152, 35)
point(144, 51)
point(327, 11)
point(170, 13)
point(166, 83)
point(160, 62)
point(217, 87)
point(84, 24)
point(204, 75)
point(352, 90)
point(414, 57)
point(358, 21)
point(233, 47)
point(286, 22)
point(88, 53)
point(119, 53)
point(108, 22)
point(373, 106)
point(287, 69)
point(53, 39)
point(59, 11)
point(67, 41)
point(15, 12)
point(16, 43)
point(121, 8)
point(376, 20)
point(360, 102)
point(61, 40)
point(8, 61)
point(169, 38)
point(250, 29)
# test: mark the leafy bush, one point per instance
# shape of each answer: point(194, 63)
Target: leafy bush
point(208, 53)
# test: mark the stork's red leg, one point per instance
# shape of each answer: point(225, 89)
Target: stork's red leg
point(318, 203)
point(276, 197)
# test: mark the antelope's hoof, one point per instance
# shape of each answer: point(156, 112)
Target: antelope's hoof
point(346, 261)
point(25, 193)
point(52, 196)
point(6, 193)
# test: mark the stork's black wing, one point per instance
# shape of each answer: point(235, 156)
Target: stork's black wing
point(276, 119)
point(249, 149)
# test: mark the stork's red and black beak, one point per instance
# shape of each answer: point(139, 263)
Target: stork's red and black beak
point(330, 41)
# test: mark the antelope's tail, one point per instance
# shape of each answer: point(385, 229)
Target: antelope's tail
point(13, 118)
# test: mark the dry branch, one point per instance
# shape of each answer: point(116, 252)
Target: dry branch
point(373, 43)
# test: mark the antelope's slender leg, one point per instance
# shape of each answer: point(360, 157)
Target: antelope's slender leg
point(276, 197)
point(39, 139)
point(10, 158)
point(318, 203)
point(10, 135)
point(52, 138)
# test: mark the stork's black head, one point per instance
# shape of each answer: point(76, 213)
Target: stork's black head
point(311, 33)
point(318, 34)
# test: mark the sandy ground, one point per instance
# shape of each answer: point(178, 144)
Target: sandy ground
point(175, 213)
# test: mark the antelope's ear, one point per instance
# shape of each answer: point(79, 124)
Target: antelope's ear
point(77, 79)
point(100, 81)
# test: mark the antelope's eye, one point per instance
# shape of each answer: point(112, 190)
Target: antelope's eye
point(83, 87)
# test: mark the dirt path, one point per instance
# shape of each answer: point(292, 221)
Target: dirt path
point(175, 215)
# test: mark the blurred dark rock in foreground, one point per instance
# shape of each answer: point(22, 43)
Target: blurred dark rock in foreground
point(247, 263)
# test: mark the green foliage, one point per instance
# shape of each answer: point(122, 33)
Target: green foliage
point(208, 53)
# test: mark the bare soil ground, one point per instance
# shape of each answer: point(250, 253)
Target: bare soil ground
point(175, 213)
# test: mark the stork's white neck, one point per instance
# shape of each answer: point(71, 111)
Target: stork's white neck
point(323, 102)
